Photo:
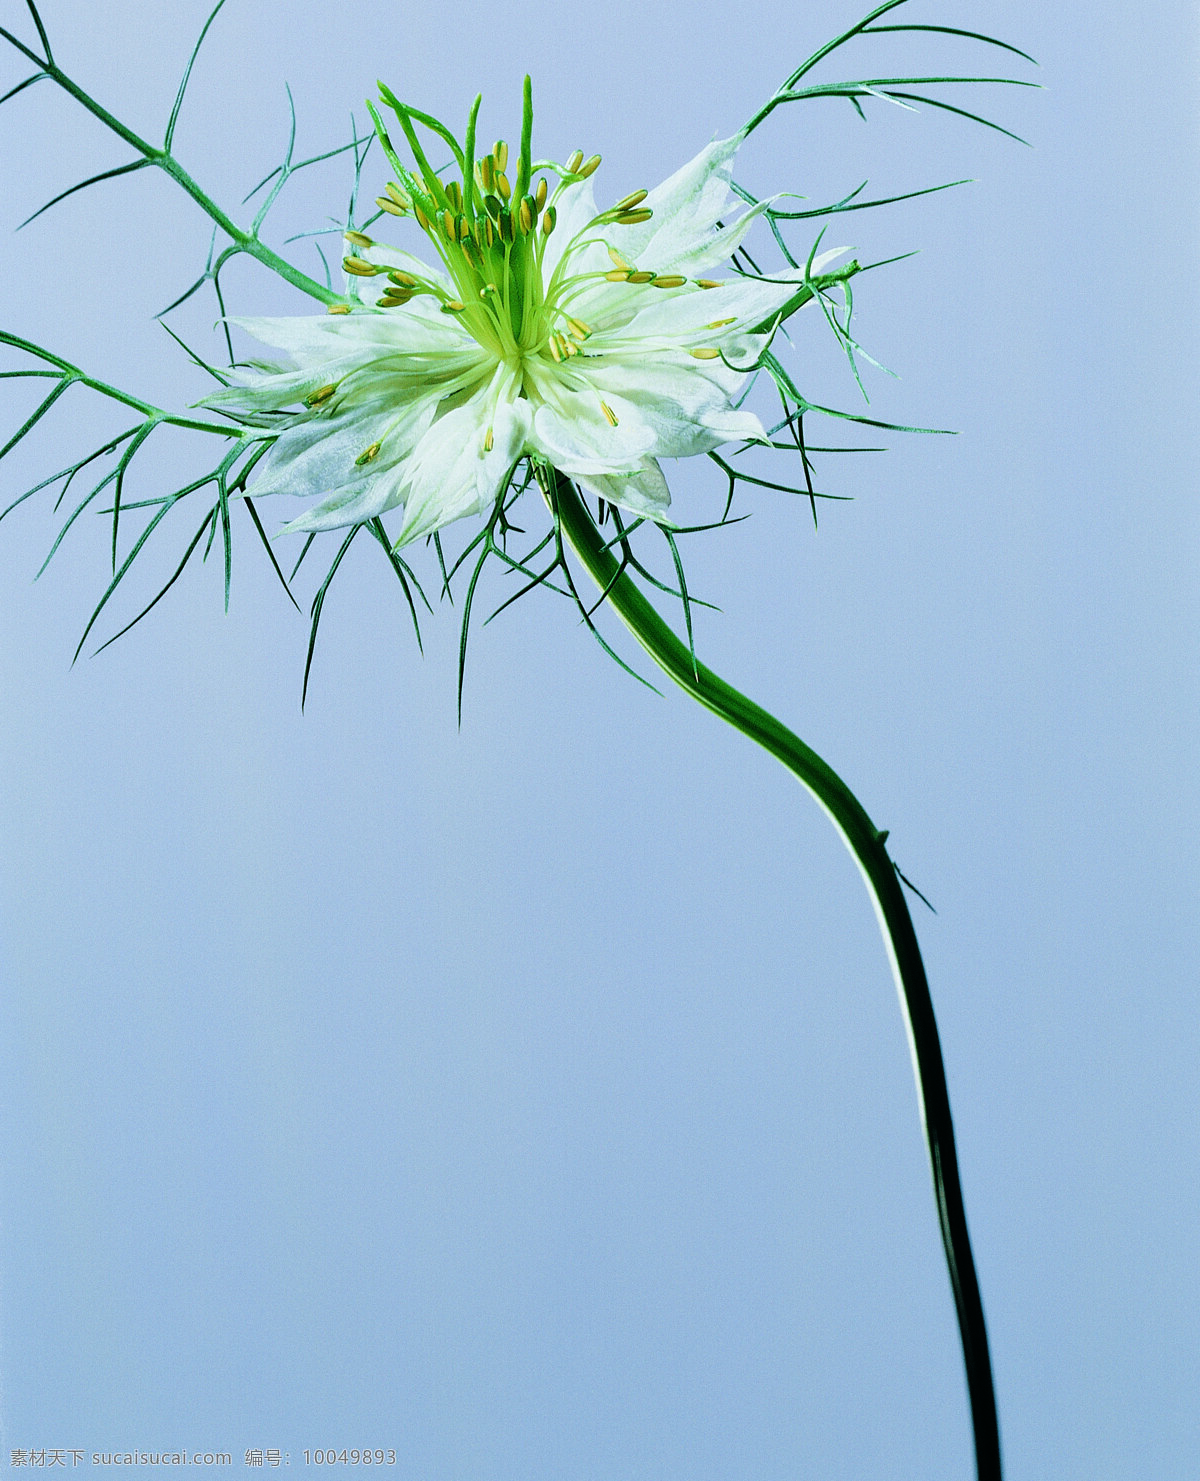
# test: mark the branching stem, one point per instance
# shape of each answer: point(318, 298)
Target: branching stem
point(247, 241)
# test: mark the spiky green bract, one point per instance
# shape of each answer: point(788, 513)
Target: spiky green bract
point(866, 843)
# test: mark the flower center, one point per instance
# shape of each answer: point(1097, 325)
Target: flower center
point(492, 236)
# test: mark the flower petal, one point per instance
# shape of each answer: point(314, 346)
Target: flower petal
point(456, 469)
point(642, 491)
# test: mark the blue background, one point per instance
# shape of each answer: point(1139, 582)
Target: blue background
point(533, 1098)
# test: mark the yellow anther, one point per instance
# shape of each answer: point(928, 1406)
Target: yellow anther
point(640, 277)
point(368, 456)
point(500, 154)
point(385, 203)
point(707, 283)
point(525, 217)
point(539, 195)
point(555, 352)
point(404, 280)
point(358, 239)
point(574, 162)
point(360, 269)
point(568, 347)
point(670, 280)
point(619, 261)
point(630, 201)
point(705, 354)
point(399, 196)
point(447, 219)
point(549, 217)
point(454, 195)
point(578, 328)
point(487, 289)
point(590, 166)
point(610, 416)
point(456, 306)
point(338, 308)
point(634, 218)
point(489, 440)
point(489, 232)
point(618, 275)
point(487, 172)
point(318, 396)
point(422, 219)
point(721, 323)
point(394, 297)
point(502, 185)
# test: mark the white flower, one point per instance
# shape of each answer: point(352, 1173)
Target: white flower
point(593, 340)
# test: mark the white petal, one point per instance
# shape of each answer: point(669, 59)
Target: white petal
point(351, 505)
point(686, 208)
point(643, 490)
point(452, 472)
point(571, 430)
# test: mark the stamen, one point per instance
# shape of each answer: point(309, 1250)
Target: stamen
point(360, 269)
point(670, 280)
point(358, 239)
point(399, 196)
point(448, 222)
point(338, 308)
point(549, 217)
point(502, 185)
point(318, 396)
point(705, 354)
point(366, 457)
point(488, 440)
point(525, 214)
point(641, 277)
point(721, 323)
point(539, 198)
point(590, 166)
point(707, 283)
point(385, 203)
point(491, 204)
point(405, 280)
point(618, 275)
point(619, 261)
point(500, 154)
point(578, 328)
point(574, 162)
point(609, 415)
point(634, 218)
point(552, 345)
point(456, 306)
point(454, 195)
point(630, 201)
point(422, 219)
point(487, 170)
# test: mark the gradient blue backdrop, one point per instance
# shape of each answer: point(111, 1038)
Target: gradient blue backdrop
point(532, 1098)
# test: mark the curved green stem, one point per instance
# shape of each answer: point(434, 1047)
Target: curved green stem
point(866, 844)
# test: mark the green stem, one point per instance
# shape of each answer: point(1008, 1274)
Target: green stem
point(866, 844)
